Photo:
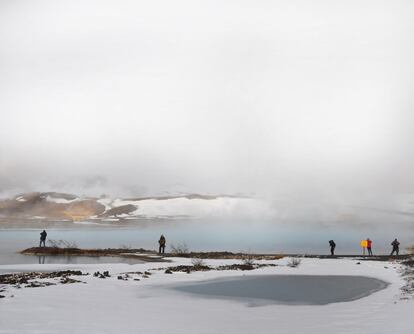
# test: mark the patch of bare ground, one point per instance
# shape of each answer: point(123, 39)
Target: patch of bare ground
point(38, 279)
point(236, 266)
point(384, 258)
point(123, 209)
point(138, 253)
point(407, 273)
point(225, 255)
point(144, 254)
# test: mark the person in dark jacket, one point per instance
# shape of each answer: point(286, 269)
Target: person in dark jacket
point(43, 236)
point(162, 242)
point(333, 245)
point(395, 247)
point(369, 246)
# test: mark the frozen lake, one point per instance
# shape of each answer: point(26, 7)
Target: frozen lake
point(288, 289)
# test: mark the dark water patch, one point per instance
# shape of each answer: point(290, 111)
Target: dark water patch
point(288, 289)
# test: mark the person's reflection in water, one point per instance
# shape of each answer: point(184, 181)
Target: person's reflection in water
point(42, 259)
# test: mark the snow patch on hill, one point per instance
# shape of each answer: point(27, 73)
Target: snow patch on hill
point(195, 208)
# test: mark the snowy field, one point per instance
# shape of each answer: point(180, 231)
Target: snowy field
point(152, 306)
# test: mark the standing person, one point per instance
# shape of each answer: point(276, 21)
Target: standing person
point(333, 245)
point(369, 246)
point(162, 242)
point(43, 236)
point(395, 247)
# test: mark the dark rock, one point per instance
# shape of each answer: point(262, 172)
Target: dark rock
point(168, 271)
point(67, 280)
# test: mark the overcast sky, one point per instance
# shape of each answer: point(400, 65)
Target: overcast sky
point(227, 96)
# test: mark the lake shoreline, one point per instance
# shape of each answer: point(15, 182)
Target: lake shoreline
point(153, 256)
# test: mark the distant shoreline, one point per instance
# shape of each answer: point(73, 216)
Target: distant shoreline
point(153, 256)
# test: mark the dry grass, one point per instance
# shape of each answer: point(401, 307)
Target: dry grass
point(294, 262)
point(180, 248)
point(198, 262)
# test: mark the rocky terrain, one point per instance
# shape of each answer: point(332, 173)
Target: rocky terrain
point(53, 206)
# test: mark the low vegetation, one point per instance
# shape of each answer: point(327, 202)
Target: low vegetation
point(180, 248)
point(248, 260)
point(198, 262)
point(294, 262)
point(61, 244)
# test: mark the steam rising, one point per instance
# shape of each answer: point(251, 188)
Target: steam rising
point(306, 104)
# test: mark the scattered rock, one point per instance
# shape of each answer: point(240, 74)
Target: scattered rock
point(133, 273)
point(237, 266)
point(37, 284)
point(17, 279)
point(105, 274)
point(67, 280)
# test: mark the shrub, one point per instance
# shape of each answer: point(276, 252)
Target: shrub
point(180, 248)
point(248, 260)
point(294, 262)
point(197, 262)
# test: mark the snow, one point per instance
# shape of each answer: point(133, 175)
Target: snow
point(21, 199)
point(106, 202)
point(196, 207)
point(110, 219)
point(86, 223)
point(151, 306)
point(61, 200)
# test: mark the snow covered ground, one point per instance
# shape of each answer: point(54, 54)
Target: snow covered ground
point(151, 306)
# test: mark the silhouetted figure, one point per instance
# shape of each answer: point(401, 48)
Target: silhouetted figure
point(369, 246)
point(395, 247)
point(333, 245)
point(43, 236)
point(162, 244)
